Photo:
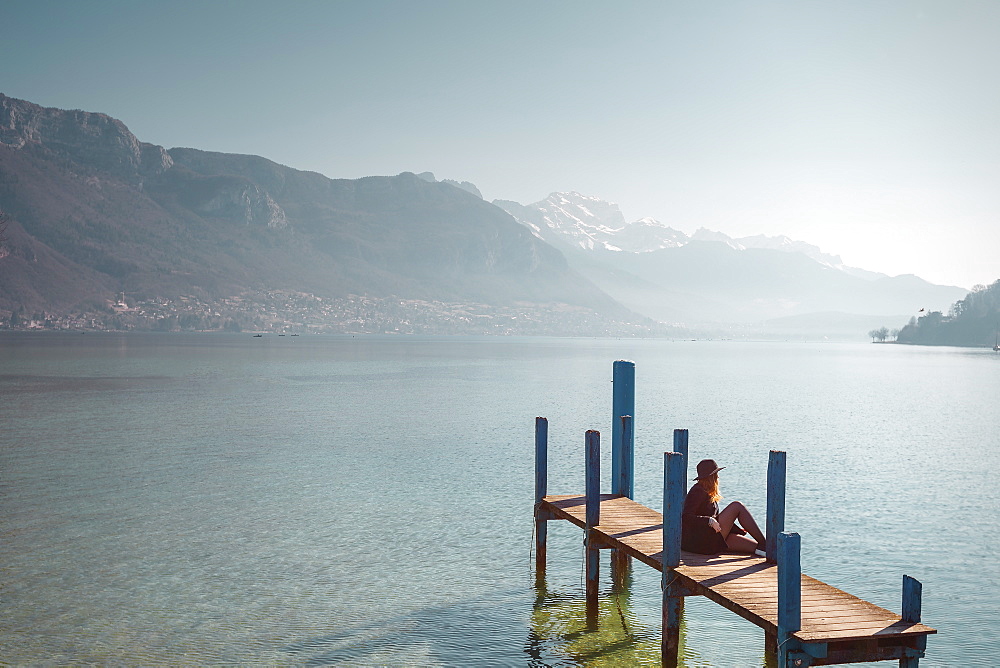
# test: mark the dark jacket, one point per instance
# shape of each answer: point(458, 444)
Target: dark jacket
point(697, 535)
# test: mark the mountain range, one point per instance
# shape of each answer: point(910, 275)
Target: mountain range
point(95, 212)
point(710, 278)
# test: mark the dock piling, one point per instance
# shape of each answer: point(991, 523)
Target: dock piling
point(626, 472)
point(673, 601)
point(593, 494)
point(681, 446)
point(622, 403)
point(620, 561)
point(673, 506)
point(775, 502)
point(622, 448)
point(789, 595)
point(541, 489)
point(912, 594)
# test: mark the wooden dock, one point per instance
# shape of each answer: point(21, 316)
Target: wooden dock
point(806, 622)
point(852, 629)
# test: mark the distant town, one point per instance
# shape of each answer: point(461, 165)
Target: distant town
point(288, 312)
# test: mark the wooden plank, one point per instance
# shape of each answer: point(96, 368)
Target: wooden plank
point(820, 614)
point(744, 584)
point(904, 629)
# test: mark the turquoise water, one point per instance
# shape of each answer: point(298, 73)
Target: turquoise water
point(367, 501)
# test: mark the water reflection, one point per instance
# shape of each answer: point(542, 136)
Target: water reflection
point(559, 628)
point(471, 632)
point(557, 634)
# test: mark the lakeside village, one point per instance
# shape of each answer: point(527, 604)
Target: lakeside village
point(282, 312)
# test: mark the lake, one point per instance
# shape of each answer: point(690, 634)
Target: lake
point(209, 498)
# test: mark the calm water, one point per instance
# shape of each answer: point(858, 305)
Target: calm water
point(308, 500)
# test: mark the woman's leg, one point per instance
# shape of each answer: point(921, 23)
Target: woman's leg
point(736, 511)
point(738, 543)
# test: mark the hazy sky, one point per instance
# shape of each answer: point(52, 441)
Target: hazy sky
point(871, 129)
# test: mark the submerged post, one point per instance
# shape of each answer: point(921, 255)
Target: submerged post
point(593, 518)
point(789, 594)
point(541, 489)
point(912, 594)
point(775, 502)
point(623, 403)
point(673, 603)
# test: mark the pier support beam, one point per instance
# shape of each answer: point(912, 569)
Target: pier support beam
point(681, 446)
point(790, 654)
point(626, 469)
point(623, 403)
point(541, 489)
point(593, 518)
point(912, 595)
point(620, 561)
point(775, 502)
point(770, 650)
point(622, 449)
point(673, 600)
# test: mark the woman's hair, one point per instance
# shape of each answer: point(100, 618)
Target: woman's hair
point(711, 485)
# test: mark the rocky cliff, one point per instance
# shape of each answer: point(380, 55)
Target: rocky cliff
point(94, 211)
point(81, 136)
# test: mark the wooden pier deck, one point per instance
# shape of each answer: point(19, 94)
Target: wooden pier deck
point(847, 627)
point(806, 622)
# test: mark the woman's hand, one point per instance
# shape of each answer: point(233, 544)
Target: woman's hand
point(714, 523)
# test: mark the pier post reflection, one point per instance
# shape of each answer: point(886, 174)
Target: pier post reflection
point(560, 631)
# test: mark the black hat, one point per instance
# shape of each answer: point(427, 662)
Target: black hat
point(707, 467)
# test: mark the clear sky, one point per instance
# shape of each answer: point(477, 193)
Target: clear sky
point(871, 129)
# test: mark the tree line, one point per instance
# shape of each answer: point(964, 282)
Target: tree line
point(973, 321)
point(883, 333)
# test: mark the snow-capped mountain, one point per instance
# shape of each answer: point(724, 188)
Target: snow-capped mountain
point(710, 277)
point(592, 224)
point(783, 243)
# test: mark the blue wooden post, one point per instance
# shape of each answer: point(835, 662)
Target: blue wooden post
point(541, 489)
point(789, 594)
point(681, 446)
point(623, 403)
point(775, 502)
point(593, 474)
point(912, 594)
point(620, 561)
point(673, 507)
point(593, 518)
point(626, 484)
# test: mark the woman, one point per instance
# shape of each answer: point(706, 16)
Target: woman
point(707, 531)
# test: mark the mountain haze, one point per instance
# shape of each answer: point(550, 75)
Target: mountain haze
point(95, 211)
point(709, 277)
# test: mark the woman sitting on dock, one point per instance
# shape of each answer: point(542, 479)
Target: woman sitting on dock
point(707, 531)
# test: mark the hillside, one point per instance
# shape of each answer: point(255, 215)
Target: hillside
point(94, 212)
point(973, 321)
